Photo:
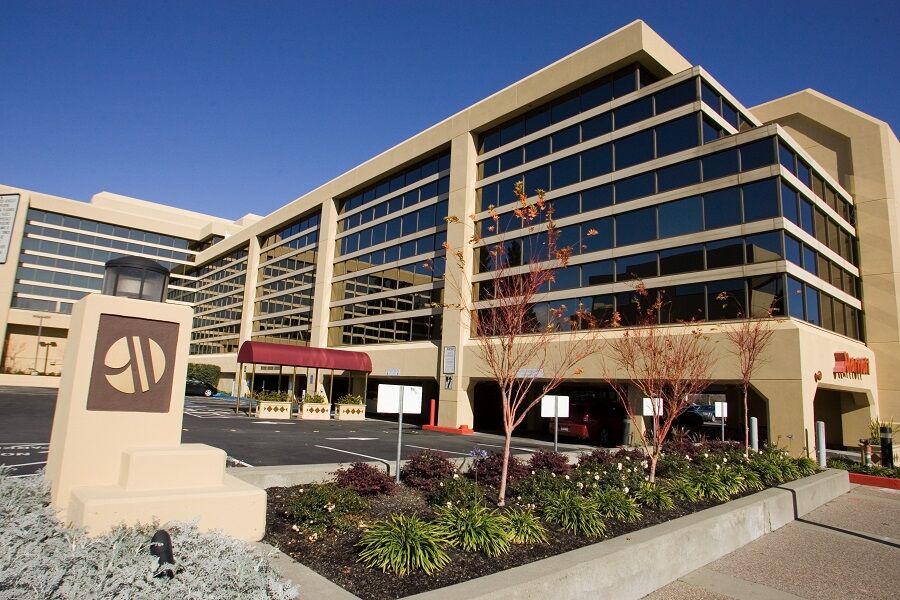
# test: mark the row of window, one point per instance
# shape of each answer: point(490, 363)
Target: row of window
point(809, 304)
point(303, 241)
point(80, 252)
point(62, 263)
point(591, 95)
point(126, 246)
point(396, 204)
point(424, 272)
point(283, 303)
point(291, 229)
point(817, 264)
point(413, 329)
point(409, 224)
point(231, 286)
point(50, 292)
point(228, 315)
point(390, 305)
point(295, 262)
point(635, 149)
point(423, 245)
point(307, 278)
point(199, 345)
point(41, 305)
point(282, 322)
point(201, 272)
point(796, 165)
point(91, 226)
point(58, 278)
point(814, 221)
point(293, 338)
point(426, 168)
point(726, 109)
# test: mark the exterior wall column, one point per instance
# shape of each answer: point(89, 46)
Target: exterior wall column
point(247, 307)
point(791, 422)
point(455, 404)
point(318, 334)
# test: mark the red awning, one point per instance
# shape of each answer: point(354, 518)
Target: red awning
point(264, 353)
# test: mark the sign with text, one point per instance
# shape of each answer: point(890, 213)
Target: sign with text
point(845, 366)
point(449, 360)
point(721, 409)
point(395, 372)
point(389, 399)
point(650, 404)
point(553, 406)
point(9, 204)
point(529, 373)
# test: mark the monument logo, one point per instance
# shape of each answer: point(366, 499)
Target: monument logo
point(130, 365)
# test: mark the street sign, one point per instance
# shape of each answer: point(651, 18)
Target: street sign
point(721, 409)
point(448, 382)
point(395, 372)
point(555, 406)
point(649, 405)
point(529, 373)
point(389, 397)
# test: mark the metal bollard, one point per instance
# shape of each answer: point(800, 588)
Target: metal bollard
point(887, 447)
point(754, 434)
point(820, 443)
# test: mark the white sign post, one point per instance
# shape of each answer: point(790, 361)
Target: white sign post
point(399, 399)
point(653, 406)
point(556, 407)
point(721, 409)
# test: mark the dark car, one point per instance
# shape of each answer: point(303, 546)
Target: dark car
point(195, 387)
point(706, 411)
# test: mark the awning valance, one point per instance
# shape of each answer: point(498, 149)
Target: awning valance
point(265, 353)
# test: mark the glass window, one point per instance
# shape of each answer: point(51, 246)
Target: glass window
point(685, 303)
point(764, 247)
point(537, 149)
point(597, 126)
point(597, 235)
point(633, 112)
point(821, 226)
point(634, 149)
point(596, 95)
point(711, 131)
point(710, 96)
point(565, 206)
point(732, 306)
point(730, 113)
point(680, 175)
point(510, 159)
point(812, 306)
point(720, 164)
point(722, 208)
point(803, 173)
point(637, 266)
point(675, 96)
point(786, 157)
point(598, 197)
point(680, 217)
point(758, 154)
point(409, 223)
point(789, 203)
point(766, 295)
point(537, 121)
point(806, 216)
point(635, 187)
point(685, 259)
point(792, 250)
point(564, 108)
point(597, 273)
point(537, 179)
point(818, 186)
point(636, 226)
point(565, 138)
point(426, 217)
point(565, 278)
point(821, 268)
point(625, 83)
point(795, 298)
point(489, 141)
point(393, 229)
point(760, 200)
point(566, 171)
point(827, 315)
point(677, 135)
point(512, 132)
point(601, 308)
point(596, 161)
point(810, 261)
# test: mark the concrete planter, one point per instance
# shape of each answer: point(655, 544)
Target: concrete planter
point(267, 409)
point(314, 411)
point(617, 568)
point(876, 454)
point(350, 412)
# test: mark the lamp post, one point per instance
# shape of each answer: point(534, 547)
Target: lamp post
point(46, 345)
point(136, 277)
point(37, 348)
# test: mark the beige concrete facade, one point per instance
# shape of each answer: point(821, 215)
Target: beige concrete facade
point(855, 155)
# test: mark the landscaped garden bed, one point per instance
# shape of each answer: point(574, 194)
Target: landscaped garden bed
point(442, 526)
point(874, 475)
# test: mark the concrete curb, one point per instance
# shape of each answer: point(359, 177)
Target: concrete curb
point(633, 565)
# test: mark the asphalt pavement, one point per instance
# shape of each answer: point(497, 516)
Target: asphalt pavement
point(28, 416)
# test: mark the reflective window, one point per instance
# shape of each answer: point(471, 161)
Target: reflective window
point(789, 204)
point(680, 217)
point(763, 247)
point(536, 179)
point(636, 226)
point(597, 235)
point(685, 303)
point(598, 197)
point(766, 295)
point(678, 175)
point(596, 161)
point(537, 149)
point(720, 164)
point(634, 149)
point(566, 171)
point(681, 260)
point(633, 112)
point(812, 306)
point(565, 206)
point(676, 135)
point(760, 200)
point(676, 95)
point(597, 126)
point(635, 187)
point(722, 208)
point(597, 273)
point(510, 159)
point(638, 266)
point(565, 138)
point(724, 253)
point(732, 306)
point(795, 298)
point(810, 262)
point(792, 250)
point(806, 216)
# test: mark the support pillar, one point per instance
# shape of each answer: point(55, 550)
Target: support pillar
point(791, 424)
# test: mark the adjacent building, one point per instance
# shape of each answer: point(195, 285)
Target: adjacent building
point(654, 171)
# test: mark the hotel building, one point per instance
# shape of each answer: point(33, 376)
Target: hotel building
point(653, 170)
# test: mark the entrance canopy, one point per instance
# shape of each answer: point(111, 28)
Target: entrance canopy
point(266, 353)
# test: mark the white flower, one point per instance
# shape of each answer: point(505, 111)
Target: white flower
point(579, 485)
point(706, 455)
point(440, 484)
point(456, 476)
point(532, 472)
point(597, 477)
point(619, 466)
point(646, 478)
point(295, 528)
point(724, 460)
point(449, 504)
point(567, 477)
point(689, 458)
point(519, 498)
point(625, 489)
point(552, 474)
point(718, 467)
point(644, 463)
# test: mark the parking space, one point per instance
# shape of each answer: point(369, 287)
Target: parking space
point(25, 431)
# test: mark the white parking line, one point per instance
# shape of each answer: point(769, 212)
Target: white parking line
point(511, 447)
point(437, 449)
point(41, 462)
point(24, 443)
point(353, 453)
point(240, 462)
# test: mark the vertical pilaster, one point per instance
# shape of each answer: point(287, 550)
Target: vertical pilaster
point(790, 407)
point(318, 335)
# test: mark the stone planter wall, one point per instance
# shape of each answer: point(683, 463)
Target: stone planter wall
point(273, 410)
point(319, 412)
point(350, 412)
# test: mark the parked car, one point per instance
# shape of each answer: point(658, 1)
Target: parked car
point(195, 387)
point(706, 411)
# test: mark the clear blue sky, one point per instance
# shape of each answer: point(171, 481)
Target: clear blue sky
point(234, 107)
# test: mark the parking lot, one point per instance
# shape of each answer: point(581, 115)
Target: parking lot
point(28, 416)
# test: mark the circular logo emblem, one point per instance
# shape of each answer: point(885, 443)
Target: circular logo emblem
point(126, 355)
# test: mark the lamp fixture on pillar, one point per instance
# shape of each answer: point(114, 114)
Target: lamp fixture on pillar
point(136, 277)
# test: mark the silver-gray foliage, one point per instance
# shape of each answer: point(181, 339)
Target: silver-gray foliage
point(42, 560)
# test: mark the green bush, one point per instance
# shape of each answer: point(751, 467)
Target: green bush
point(315, 398)
point(534, 488)
point(272, 396)
point(456, 491)
point(855, 467)
point(683, 488)
point(403, 544)
point(654, 496)
point(354, 399)
point(613, 503)
point(322, 506)
point(474, 528)
point(208, 373)
point(425, 469)
point(364, 479)
point(709, 484)
point(806, 466)
point(524, 527)
point(575, 513)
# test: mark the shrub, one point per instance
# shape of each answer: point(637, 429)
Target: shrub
point(425, 469)
point(321, 506)
point(653, 495)
point(207, 373)
point(474, 528)
point(709, 484)
point(613, 503)
point(548, 460)
point(355, 399)
point(486, 470)
point(403, 544)
point(524, 527)
point(534, 488)
point(774, 465)
point(40, 559)
point(598, 456)
point(855, 467)
point(738, 479)
point(315, 398)
point(574, 513)
point(456, 491)
point(806, 466)
point(683, 488)
point(364, 479)
point(272, 396)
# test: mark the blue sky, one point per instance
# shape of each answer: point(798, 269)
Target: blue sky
point(234, 107)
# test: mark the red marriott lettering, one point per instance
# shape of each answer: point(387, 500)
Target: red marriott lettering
point(844, 366)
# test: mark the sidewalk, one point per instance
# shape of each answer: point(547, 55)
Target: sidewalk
point(846, 549)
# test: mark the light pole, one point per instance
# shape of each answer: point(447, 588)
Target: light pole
point(47, 345)
point(37, 348)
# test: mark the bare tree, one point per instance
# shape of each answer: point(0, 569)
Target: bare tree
point(526, 347)
point(13, 350)
point(666, 363)
point(749, 338)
